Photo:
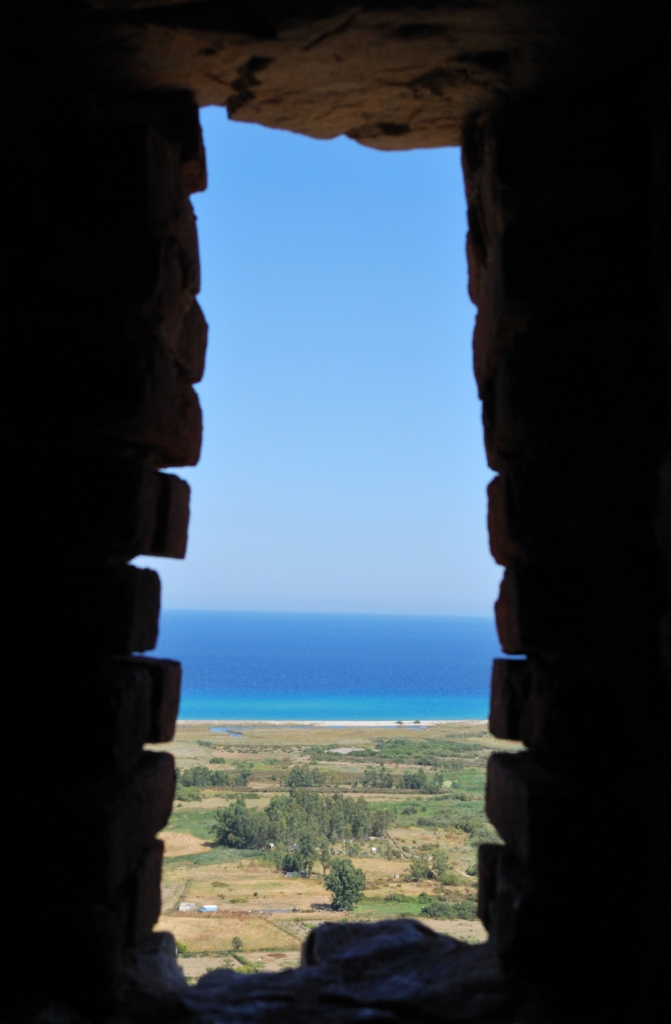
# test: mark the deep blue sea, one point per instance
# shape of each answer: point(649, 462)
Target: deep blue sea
point(260, 666)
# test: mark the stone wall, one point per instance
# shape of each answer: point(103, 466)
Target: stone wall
point(108, 342)
point(571, 374)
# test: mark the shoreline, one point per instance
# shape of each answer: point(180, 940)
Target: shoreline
point(339, 723)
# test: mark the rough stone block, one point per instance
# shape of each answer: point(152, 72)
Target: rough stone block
point(502, 546)
point(507, 615)
point(118, 608)
point(151, 977)
point(145, 907)
point(117, 502)
point(488, 857)
point(510, 687)
point(112, 824)
point(183, 229)
point(163, 177)
point(165, 312)
point(490, 334)
point(194, 166)
point(166, 681)
point(119, 722)
point(172, 517)
point(475, 262)
point(126, 818)
point(191, 345)
point(167, 421)
point(509, 891)
point(126, 508)
point(526, 806)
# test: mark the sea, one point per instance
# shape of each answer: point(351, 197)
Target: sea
point(256, 666)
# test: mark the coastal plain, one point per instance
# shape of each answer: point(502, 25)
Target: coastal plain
point(264, 912)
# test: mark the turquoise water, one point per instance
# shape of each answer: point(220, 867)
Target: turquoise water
point(252, 665)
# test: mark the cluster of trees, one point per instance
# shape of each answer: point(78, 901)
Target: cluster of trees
point(302, 775)
point(191, 780)
point(425, 782)
point(378, 778)
point(302, 826)
point(470, 820)
point(446, 910)
point(435, 864)
point(203, 777)
point(404, 749)
point(427, 752)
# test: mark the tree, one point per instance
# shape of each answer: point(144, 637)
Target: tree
point(440, 865)
point(288, 817)
point(306, 851)
point(325, 853)
point(303, 775)
point(378, 779)
point(346, 882)
point(240, 827)
point(428, 782)
point(420, 867)
point(242, 775)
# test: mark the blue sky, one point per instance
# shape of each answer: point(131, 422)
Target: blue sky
point(343, 467)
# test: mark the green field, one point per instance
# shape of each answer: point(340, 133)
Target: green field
point(260, 816)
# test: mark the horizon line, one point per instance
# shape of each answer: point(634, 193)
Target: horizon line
point(275, 611)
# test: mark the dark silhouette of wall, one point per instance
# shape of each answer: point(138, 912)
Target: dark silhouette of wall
point(563, 112)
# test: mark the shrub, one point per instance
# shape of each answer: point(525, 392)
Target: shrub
point(187, 793)
point(442, 910)
point(450, 878)
point(181, 948)
point(237, 943)
point(302, 775)
point(427, 782)
point(472, 871)
point(420, 867)
point(377, 778)
point(217, 760)
point(346, 883)
point(201, 776)
point(439, 863)
point(439, 910)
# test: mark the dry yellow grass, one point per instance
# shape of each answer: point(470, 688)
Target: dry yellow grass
point(177, 844)
point(238, 886)
point(207, 933)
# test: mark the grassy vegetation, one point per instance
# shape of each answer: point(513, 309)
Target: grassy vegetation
point(318, 795)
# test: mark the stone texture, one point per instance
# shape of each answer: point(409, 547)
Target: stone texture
point(117, 608)
point(172, 517)
point(166, 677)
point(389, 76)
point(510, 688)
point(507, 615)
point(503, 547)
point(388, 971)
point(526, 805)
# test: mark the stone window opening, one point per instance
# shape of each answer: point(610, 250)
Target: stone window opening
point(566, 164)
